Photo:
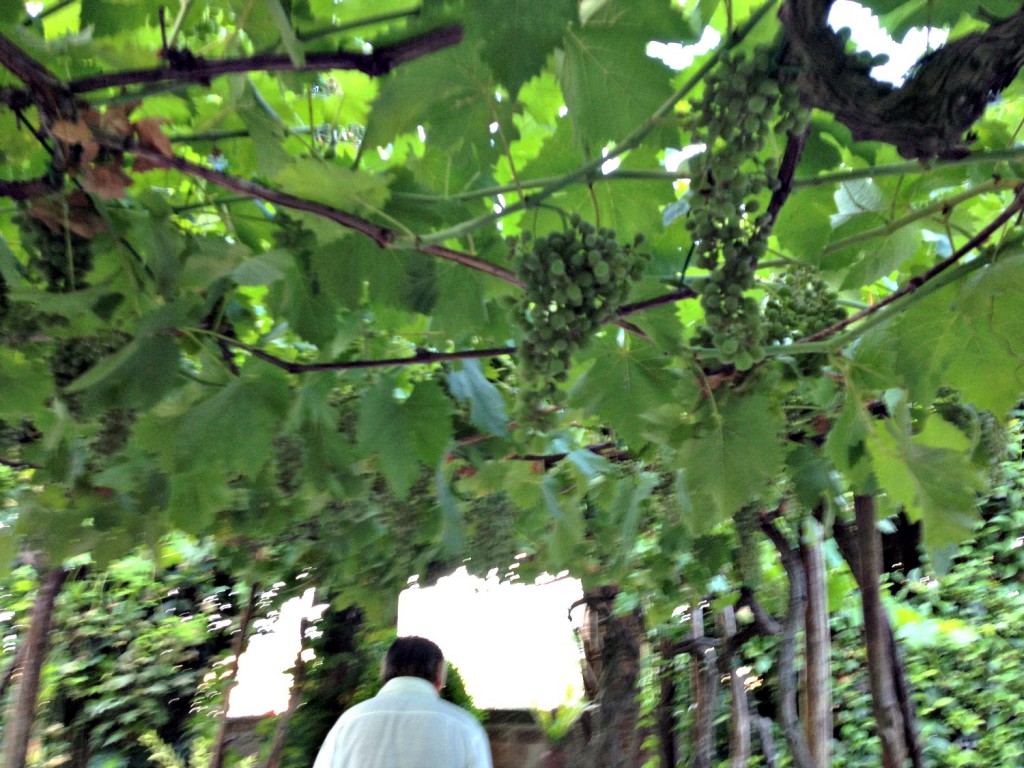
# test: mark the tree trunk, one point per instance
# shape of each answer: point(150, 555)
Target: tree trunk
point(610, 737)
point(220, 745)
point(848, 546)
point(817, 688)
point(739, 725)
point(704, 671)
point(885, 704)
point(18, 725)
point(666, 714)
point(795, 617)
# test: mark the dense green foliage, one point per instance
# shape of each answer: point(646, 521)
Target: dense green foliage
point(960, 638)
point(312, 279)
point(131, 649)
point(246, 300)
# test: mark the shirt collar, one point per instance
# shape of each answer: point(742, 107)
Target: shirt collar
point(416, 685)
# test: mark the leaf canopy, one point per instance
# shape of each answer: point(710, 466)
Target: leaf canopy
point(266, 281)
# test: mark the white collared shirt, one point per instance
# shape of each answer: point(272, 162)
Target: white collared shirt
point(406, 725)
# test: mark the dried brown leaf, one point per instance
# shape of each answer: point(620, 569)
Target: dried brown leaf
point(69, 132)
point(151, 137)
point(76, 212)
point(106, 181)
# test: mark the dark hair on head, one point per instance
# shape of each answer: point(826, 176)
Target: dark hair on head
point(411, 657)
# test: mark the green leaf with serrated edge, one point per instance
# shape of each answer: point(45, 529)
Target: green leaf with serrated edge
point(266, 130)
point(630, 495)
point(566, 533)
point(209, 259)
point(610, 83)
point(519, 35)
point(623, 380)
point(197, 495)
point(25, 385)
point(135, 376)
point(878, 258)
point(809, 472)
point(238, 423)
point(486, 405)
point(110, 17)
point(986, 352)
point(305, 305)
point(333, 185)
point(802, 226)
point(461, 309)
point(453, 535)
point(735, 457)
point(263, 269)
point(903, 352)
point(590, 466)
point(844, 445)
point(289, 41)
point(404, 434)
point(627, 207)
point(953, 339)
point(450, 94)
point(935, 484)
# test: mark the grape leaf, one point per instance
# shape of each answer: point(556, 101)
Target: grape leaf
point(610, 83)
point(404, 434)
point(519, 35)
point(238, 423)
point(25, 386)
point(623, 381)
point(736, 456)
point(333, 185)
point(931, 476)
point(486, 405)
point(986, 346)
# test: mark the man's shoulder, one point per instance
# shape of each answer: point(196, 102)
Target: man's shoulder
point(458, 714)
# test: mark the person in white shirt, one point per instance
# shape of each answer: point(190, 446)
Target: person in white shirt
point(407, 724)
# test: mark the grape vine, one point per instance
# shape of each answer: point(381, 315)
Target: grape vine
point(743, 105)
point(575, 281)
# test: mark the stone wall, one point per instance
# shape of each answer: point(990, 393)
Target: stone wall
point(516, 741)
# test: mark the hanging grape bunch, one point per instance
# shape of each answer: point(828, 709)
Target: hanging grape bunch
point(575, 281)
point(742, 107)
point(800, 305)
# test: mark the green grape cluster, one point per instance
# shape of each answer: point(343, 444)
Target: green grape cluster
point(800, 305)
point(63, 258)
point(743, 106)
point(575, 281)
point(991, 440)
point(74, 356)
point(115, 429)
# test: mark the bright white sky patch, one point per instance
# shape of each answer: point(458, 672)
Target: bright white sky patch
point(513, 643)
point(869, 36)
point(679, 56)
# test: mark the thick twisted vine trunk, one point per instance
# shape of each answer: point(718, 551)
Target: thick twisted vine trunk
point(704, 684)
point(221, 742)
point(610, 737)
point(817, 687)
point(795, 618)
point(851, 545)
point(739, 723)
point(885, 704)
point(928, 115)
point(18, 723)
point(667, 704)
